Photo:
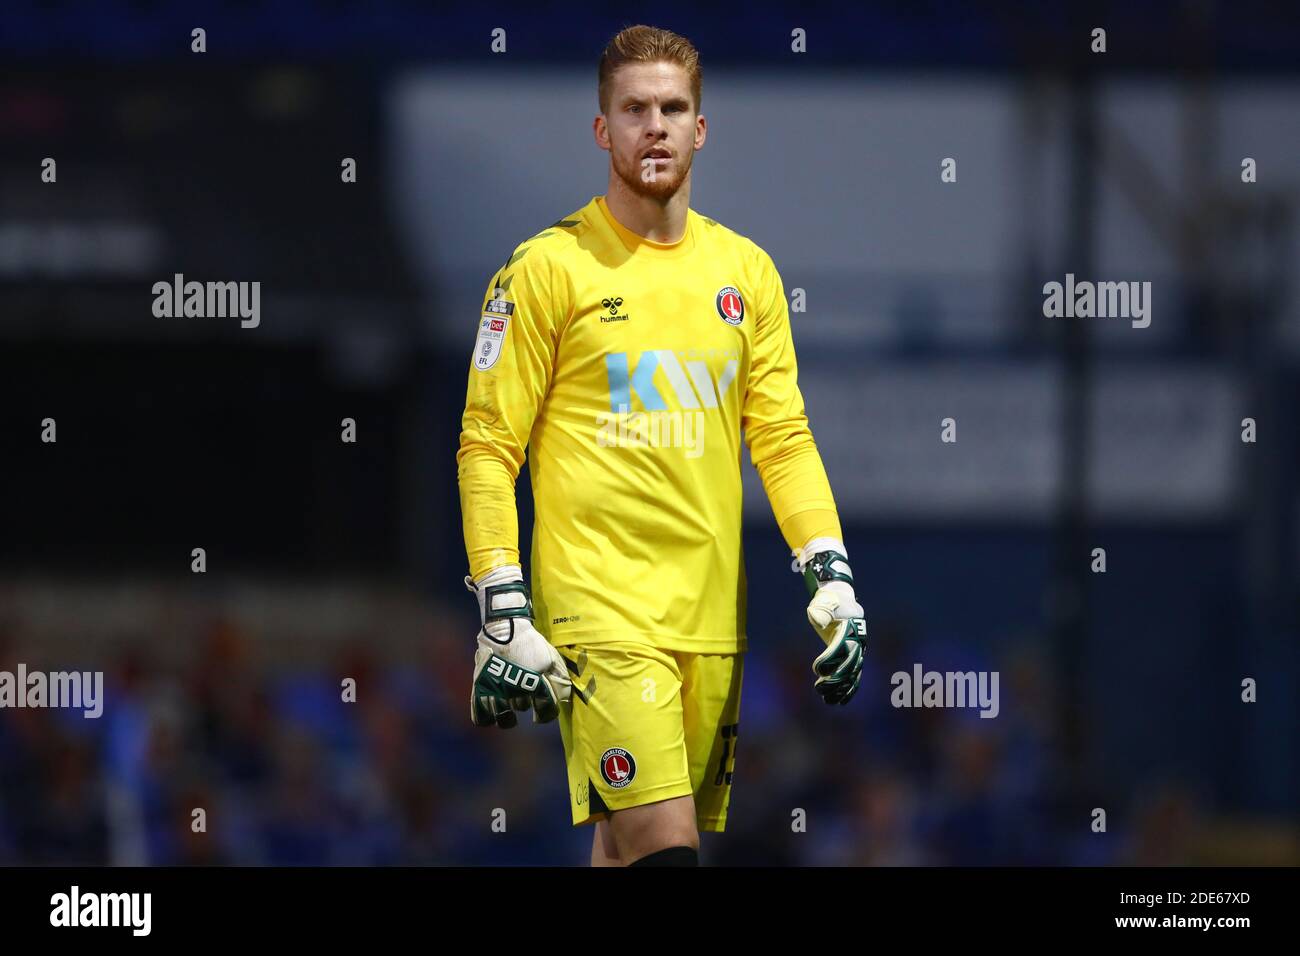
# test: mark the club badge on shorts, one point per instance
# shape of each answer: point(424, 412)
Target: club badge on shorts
point(730, 305)
point(617, 767)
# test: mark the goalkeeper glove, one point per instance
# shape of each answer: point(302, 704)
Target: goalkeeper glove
point(515, 667)
point(836, 615)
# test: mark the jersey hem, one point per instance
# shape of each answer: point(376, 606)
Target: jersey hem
point(667, 642)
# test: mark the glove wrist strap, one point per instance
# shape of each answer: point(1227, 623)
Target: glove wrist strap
point(510, 609)
point(824, 567)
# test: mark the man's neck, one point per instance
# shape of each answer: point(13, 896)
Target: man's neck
point(658, 221)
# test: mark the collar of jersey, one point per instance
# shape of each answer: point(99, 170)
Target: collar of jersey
point(640, 245)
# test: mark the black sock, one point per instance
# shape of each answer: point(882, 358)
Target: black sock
point(672, 856)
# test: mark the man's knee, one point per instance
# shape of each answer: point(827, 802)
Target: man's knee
point(604, 852)
point(640, 831)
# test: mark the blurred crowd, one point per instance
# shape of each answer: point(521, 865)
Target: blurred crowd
point(226, 760)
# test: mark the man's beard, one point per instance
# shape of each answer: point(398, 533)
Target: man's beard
point(663, 187)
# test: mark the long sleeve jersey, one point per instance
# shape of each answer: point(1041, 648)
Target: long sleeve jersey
point(627, 370)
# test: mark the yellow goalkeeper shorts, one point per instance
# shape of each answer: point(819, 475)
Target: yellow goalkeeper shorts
point(645, 724)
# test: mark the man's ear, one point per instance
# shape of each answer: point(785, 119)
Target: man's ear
point(600, 129)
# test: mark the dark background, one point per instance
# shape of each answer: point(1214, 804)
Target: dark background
point(329, 560)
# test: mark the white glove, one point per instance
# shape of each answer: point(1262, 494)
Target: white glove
point(515, 667)
point(835, 615)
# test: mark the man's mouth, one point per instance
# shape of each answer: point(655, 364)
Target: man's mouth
point(658, 153)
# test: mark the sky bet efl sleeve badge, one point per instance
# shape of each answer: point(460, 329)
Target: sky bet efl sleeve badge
point(492, 333)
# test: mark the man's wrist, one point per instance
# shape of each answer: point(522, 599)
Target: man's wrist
point(500, 575)
point(502, 594)
point(823, 563)
point(817, 545)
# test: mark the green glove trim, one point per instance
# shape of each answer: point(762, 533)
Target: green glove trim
point(820, 569)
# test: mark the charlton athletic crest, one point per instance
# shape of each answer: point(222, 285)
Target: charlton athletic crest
point(730, 305)
point(617, 767)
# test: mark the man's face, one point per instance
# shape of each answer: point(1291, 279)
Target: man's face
point(651, 130)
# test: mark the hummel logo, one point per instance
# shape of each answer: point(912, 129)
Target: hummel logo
point(613, 304)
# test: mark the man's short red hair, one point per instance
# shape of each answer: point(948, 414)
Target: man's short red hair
point(643, 44)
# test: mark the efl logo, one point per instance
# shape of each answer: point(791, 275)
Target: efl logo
point(491, 338)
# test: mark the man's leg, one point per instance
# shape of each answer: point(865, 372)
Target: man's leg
point(604, 852)
point(625, 752)
point(651, 827)
point(711, 713)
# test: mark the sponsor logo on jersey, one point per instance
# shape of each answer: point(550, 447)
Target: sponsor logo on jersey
point(617, 767)
point(690, 385)
point(730, 305)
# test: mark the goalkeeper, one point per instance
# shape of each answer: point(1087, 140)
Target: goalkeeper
point(624, 351)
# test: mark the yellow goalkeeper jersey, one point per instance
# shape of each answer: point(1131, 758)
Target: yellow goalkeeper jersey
point(627, 370)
